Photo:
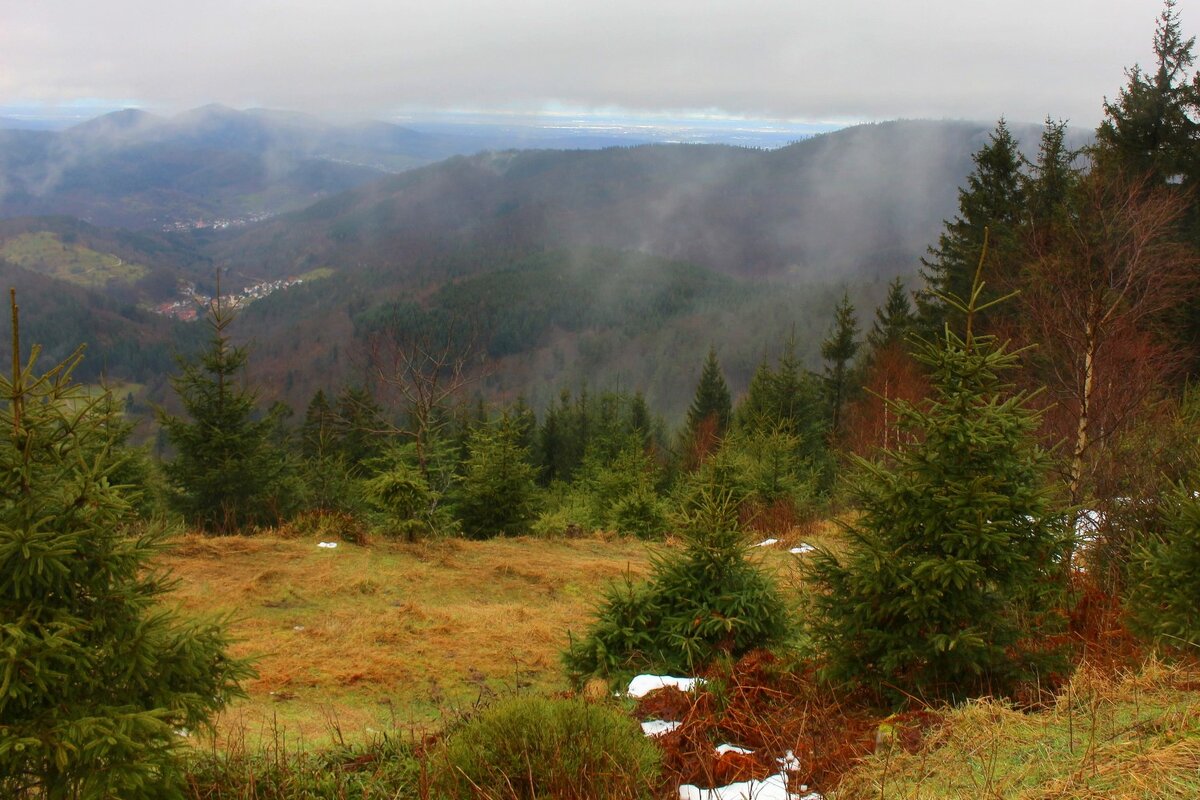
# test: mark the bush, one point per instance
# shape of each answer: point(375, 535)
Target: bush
point(531, 747)
point(705, 602)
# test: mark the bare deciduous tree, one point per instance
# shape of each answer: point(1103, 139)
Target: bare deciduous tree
point(423, 371)
point(1096, 296)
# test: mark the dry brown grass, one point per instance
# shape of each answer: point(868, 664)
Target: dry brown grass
point(365, 638)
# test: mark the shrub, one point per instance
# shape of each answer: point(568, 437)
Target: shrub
point(531, 747)
point(707, 601)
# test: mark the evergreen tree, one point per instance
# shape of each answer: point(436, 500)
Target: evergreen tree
point(1165, 592)
point(708, 416)
point(498, 495)
point(1153, 126)
point(1052, 180)
point(317, 434)
point(993, 200)
point(894, 320)
point(712, 400)
point(360, 426)
point(706, 601)
point(96, 673)
point(226, 472)
point(950, 583)
point(838, 350)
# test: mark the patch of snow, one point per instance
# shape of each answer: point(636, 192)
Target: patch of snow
point(789, 763)
point(643, 685)
point(772, 788)
point(327, 545)
point(766, 543)
point(802, 549)
point(658, 727)
point(297, 628)
point(722, 749)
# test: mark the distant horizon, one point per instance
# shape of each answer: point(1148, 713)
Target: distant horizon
point(699, 127)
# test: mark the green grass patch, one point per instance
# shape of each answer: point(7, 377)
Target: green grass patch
point(317, 274)
point(47, 254)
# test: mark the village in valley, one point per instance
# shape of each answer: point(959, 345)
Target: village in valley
point(189, 306)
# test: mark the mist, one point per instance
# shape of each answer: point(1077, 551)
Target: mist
point(805, 60)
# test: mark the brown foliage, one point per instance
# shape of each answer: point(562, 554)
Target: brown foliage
point(1098, 289)
point(871, 424)
point(758, 705)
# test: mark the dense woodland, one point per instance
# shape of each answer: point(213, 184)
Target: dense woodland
point(1012, 442)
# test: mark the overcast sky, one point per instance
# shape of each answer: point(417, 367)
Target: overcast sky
point(809, 60)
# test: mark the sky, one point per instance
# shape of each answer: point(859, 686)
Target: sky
point(798, 60)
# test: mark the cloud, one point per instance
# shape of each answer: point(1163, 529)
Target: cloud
point(797, 59)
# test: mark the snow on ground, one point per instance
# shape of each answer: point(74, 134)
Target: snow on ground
point(772, 788)
point(802, 549)
point(327, 545)
point(643, 685)
point(658, 727)
point(766, 543)
point(722, 749)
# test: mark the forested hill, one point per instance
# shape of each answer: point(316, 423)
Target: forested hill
point(211, 165)
point(859, 203)
point(617, 267)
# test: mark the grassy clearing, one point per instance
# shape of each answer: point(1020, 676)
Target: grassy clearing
point(1131, 736)
point(368, 638)
point(47, 254)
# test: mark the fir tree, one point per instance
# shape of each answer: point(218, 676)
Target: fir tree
point(706, 601)
point(226, 472)
point(894, 320)
point(96, 673)
point(317, 434)
point(951, 578)
point(838, 350)
point(1165, 591)
point(708, 416)
point(1052, 180)
point(712, 403)
point(991, 200)
point(1152, 127)
point(360, 426)
point(498, 495)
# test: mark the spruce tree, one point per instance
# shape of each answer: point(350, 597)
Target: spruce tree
point(949, 584)
point(1165, 585)
point(838, 350)
point(708, 416)
point(317, 434)
point(993, 200)
point(498, 495)
point(97, 677)
point(1153, 127)
point(894, 320)
point(226, 472)
point(360, 426)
